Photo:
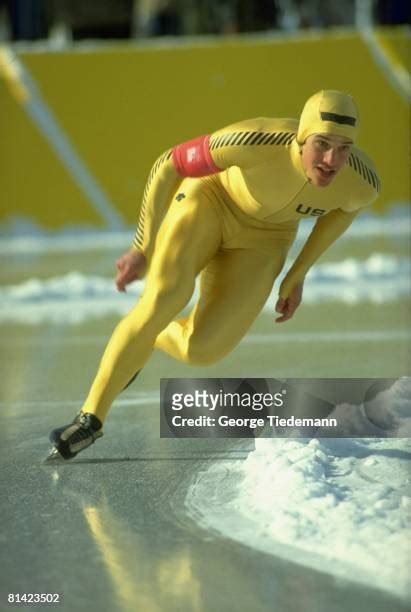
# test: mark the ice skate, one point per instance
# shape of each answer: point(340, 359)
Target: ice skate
point(70, 439)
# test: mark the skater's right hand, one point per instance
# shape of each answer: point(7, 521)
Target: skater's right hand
point(130, 267)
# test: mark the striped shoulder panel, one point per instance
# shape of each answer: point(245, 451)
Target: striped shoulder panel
point(250, 138)
point(364, 170)
point(138, 238)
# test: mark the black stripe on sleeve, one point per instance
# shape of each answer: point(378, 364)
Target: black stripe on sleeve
point(226, 140)
point(272, 139)
point(363, 170)
point(283, 139)
point(367, 172)
point(251, 138)
point(245, 135)
point(138, 239)
point(237, 137)
point(374, 183)
point(266, 138)
point(219, 141)
point(354, 161)
point(377, 180)
point(278, 138)
point(258, 138)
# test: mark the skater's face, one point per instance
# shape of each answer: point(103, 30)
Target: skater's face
point(323, 155)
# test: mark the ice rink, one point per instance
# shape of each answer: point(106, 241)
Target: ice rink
point(115, 529)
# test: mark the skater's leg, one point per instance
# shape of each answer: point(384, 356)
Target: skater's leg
point(189, 237)
point(234, 287)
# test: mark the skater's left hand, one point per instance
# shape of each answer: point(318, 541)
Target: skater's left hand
point(288, 306)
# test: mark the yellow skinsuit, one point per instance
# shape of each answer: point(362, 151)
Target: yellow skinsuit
point(234, 222)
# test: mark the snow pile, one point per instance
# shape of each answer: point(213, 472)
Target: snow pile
point(378, 279)
point(75, 297)
point(342, 506)
point(71, 298)
point(32, 241)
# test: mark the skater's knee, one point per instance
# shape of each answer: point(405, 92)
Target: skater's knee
point(204, 351)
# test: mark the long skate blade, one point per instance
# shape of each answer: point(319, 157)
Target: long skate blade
point(54, 456)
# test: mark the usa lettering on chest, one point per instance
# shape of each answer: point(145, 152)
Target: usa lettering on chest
point(307, 210)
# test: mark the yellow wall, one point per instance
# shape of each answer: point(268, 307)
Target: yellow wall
point(123, 105)
point(399, 42)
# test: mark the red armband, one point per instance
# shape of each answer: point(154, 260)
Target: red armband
point(193, 158)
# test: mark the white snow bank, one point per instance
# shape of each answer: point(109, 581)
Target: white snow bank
point(342, 506)
point(76, 297)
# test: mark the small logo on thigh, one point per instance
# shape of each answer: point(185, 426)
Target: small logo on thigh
point(180, 196)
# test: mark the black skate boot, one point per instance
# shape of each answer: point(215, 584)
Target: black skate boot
point(76, 436)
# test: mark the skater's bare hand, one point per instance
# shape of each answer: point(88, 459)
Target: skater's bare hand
point(130, 267)
point(288, 306)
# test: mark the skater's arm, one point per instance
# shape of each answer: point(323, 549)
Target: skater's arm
point(362, 186)
point(243, 144)
point(161, 185)
point(326, 231)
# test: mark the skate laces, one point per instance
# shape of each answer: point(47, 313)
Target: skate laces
point(83, 419)
point(85, 427)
